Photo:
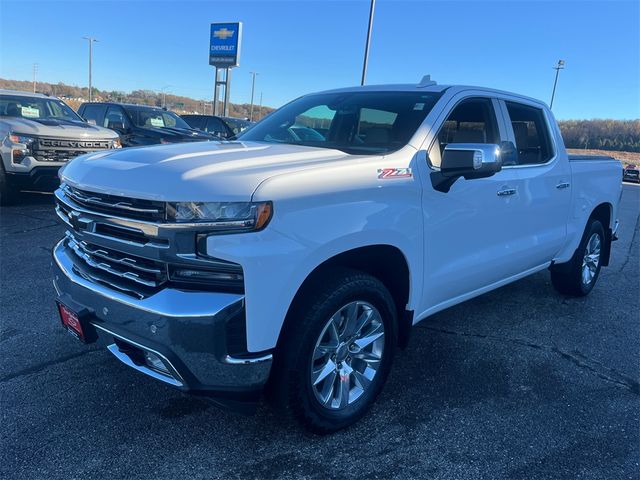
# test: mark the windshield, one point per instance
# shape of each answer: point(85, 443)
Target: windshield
point(354, 122)
point(36, 108)
point(153, 118)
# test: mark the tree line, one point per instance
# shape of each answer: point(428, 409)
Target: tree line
point(617, 135)
point(74, 96)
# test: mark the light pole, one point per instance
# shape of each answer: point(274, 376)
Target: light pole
point(35, 71)
point(253, 88)
point(90, 40)
point(366, 48)
point(164, 95)
point(557, 68)
point(260, 108)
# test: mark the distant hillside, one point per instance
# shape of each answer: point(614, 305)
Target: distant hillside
point(74, 96)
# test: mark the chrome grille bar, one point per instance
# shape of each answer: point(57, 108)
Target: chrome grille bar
point(83, 199)
point(108, 261)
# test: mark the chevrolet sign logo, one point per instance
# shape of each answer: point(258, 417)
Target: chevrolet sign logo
point(223, 33)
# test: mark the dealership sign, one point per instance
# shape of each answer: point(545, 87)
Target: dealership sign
point(224, 46)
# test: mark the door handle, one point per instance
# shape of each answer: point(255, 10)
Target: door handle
point(562, 185)
point(506, 192)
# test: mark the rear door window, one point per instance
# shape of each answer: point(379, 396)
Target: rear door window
point(533, 140)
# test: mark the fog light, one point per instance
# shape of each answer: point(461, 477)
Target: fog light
point(153, 361)
point(17, 155)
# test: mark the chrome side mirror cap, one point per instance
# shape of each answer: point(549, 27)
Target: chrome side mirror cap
point(467, 160)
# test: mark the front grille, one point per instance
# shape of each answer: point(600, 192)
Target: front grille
point(128, 273)
point(149, 210)
point(63, 150)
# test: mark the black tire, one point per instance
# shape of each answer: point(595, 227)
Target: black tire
point(8, 193)
point(568, 278)
point(290, 387)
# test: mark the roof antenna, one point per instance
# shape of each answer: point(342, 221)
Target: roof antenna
point(427, 82)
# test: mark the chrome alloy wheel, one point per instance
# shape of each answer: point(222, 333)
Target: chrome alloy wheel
point(347, 355)
point(591, 259)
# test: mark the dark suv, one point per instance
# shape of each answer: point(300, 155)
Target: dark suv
point(141, 124)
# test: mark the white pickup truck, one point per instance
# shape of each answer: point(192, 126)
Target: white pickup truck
point(299, 256)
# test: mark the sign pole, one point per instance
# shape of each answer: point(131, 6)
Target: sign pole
point(227, 91)
point(224, 54)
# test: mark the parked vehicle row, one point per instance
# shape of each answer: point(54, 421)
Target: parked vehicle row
point(298, 260)
point(40, 134)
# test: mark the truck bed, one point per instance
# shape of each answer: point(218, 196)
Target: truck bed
point(582, 158)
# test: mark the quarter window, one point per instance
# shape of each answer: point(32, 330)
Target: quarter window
point(533, 140)
point(471, 121)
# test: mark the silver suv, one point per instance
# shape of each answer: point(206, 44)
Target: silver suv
point(38, 135)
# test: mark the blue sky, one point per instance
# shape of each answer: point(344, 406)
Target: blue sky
point(303, 46)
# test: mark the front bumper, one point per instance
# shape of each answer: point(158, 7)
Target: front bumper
point(39, 178)
point(184, 330)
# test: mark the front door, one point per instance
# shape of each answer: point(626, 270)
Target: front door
point(468, 230)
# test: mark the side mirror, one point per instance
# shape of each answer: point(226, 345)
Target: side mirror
point(468, 160)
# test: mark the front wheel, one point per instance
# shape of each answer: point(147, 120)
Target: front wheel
point(8, 192)
point(579, 275)
point(336, 355)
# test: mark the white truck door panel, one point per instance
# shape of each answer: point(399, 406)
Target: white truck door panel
point(468, 235)
point(545, 185)
point(469, 230)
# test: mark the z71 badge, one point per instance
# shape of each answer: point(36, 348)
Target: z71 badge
point(385, 173)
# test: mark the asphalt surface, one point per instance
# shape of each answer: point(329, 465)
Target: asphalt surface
point(520, 383)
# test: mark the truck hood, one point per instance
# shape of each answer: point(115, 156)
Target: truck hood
point(198, 172)
point(57, 128)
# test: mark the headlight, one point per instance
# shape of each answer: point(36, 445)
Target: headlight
point(116, 143)
point(223, 217)
point(21, 139)
point(20, 146)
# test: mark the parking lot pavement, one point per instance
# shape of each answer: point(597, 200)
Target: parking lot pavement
point(519, 383)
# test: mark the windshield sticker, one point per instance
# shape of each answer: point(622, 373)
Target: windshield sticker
point(156, 122)
point(418, 106)
point(30, 112)
point(386, 173)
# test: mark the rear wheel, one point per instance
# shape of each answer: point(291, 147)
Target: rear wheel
point(335, 358)
point(579, 275)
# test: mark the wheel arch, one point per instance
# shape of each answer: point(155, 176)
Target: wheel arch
point(603, 214)
point(385, 262)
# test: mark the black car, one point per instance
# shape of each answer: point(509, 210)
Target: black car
point(141, 124)
point(221, 127)
point(631, 174)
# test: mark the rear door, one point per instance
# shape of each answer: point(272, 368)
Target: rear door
point(469, 230)
point(545, 179)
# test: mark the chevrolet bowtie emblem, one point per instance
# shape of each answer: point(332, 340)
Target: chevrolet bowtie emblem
point(223, 33)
